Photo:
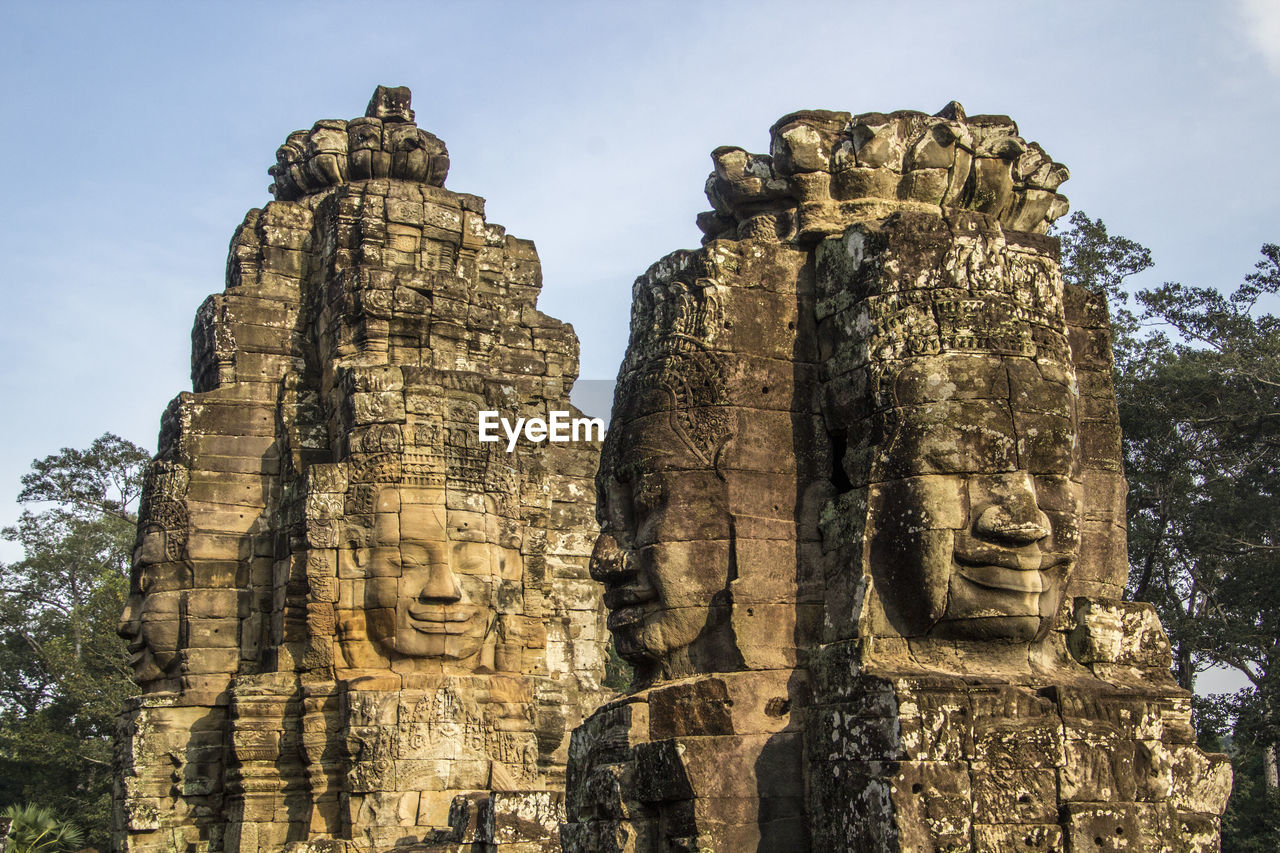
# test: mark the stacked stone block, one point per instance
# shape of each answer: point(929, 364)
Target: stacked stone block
point(203, 534)
point(827, 169)
point(384, 626)
point(961, 674)
point(710, 486)
point(861, 527)
point(1055, 725)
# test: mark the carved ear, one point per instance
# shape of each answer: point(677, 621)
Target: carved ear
point(357, 650)
point(487, 653)
point(1103, 565)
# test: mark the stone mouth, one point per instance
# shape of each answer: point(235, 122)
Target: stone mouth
point(624, 617)
point(618, 597)
point(433, 618)
point(628, 604)
point(1025, 559)
point(1003, 578)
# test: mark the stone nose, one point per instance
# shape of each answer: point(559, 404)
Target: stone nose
point(1003, 524)
point(1013, 517)
point(607, 559)
point(442, 584)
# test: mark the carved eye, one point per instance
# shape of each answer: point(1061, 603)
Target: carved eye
point(387, 556)
point(648, 496)
point(618, 506)
point(471, 558)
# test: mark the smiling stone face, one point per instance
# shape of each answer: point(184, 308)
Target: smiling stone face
point(150, 623)
point(160, 578)
point(663, 553)
point(430, 575)
point(953, 399)
point(700, 481)
point(974, 515)
point(322, 512)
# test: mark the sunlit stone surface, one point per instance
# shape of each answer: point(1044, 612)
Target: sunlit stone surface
point(357, 627)
point(863, 524)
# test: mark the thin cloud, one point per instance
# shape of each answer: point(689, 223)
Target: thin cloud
point(1261, 22)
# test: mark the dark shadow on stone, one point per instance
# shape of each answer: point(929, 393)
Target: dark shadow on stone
point(782, 818)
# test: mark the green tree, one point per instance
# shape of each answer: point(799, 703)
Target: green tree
point(1100, 262)
point(1198, 387)
point(618, 674)
point(1159, 455)
point(1231, 723)
point(63, 674)
point(1211, 371)
point(36, 829)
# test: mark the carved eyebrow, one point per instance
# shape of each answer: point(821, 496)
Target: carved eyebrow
point(952, 459)
point(461, 545)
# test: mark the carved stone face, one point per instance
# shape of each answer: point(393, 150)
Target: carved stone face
point(663, 553)
point(150, 622)
point(431, 575)
point(974, 517)
point(364, 134)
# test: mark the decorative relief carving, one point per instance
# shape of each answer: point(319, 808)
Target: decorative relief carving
point(942, 554)
point(371, 629)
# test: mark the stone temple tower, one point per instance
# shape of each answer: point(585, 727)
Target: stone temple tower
point(862, 516)
point(355, 625)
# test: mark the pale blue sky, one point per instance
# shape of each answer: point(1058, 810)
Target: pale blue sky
point(138, 134)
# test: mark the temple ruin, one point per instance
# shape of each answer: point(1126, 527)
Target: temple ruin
point(857, 525)
point(863, 524)
point(356, 626)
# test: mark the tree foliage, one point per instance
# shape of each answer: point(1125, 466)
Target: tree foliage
point(1198, 387)
point(36, 829)
point(618, 674)
point(1201, 397)
point(1098, 261)
point(103, 481)
point(63, 676)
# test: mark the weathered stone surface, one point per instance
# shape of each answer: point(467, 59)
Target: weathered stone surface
point(973, 549)
point(865, 458)
point(826, 170)
point(861, 513)
point(341, 606)
point(708, 763)
point(704, 520)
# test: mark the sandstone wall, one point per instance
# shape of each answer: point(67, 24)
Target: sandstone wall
point(898, 628)
point(861, 527)
point(355, 625)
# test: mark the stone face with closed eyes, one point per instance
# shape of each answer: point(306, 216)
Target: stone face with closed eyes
point(862, 519)
point(354, 624)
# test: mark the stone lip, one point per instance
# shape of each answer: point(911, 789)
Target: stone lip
point(384, 143)
point(828, 169)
